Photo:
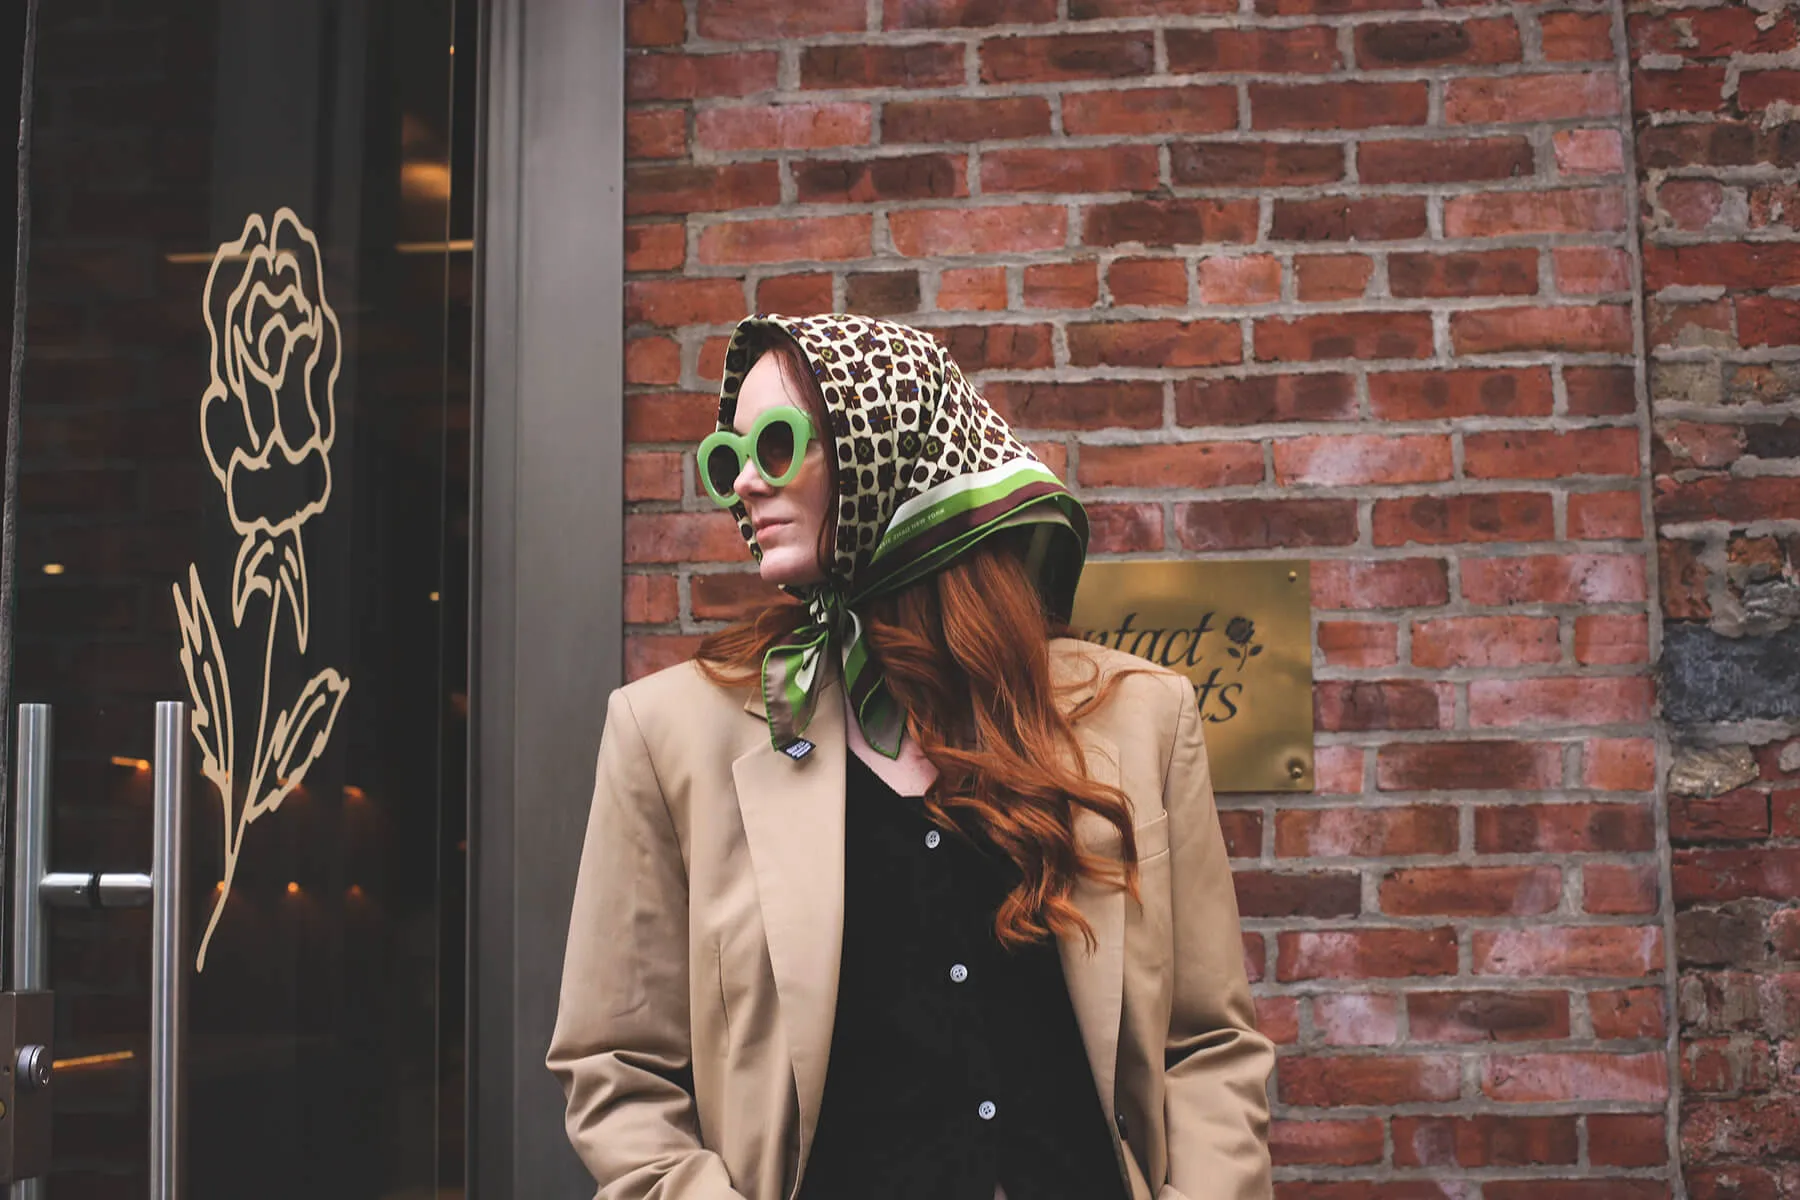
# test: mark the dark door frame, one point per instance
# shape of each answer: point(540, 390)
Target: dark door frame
point(547, 621)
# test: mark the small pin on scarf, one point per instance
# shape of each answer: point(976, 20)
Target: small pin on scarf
point(798, 750)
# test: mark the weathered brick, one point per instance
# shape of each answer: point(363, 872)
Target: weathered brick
point(1365, 832)
point(1448, 766)
point(859, 181)
point(1358, 105)
point(1543, 454)
point(1585, 950)
point(784, 126)
point(677, 302)
point(1126, 528)
point(1424, 395)
point(1489, 642)
point(1047, 405)
point(1365, 953)
point(957, 120)
point(1469, 1016)
point(1055, 57)
point(1422, 43)
point(1527, 98)
point(1485, 1141)
point(1097, 169)
point(1379, 704)
point(1361, 644)
point(1608, 700)
point(950, 14)
point(656, 133)
point(1152, 282)
point(1618, 639)
point(1304, 50)
point(1265, 524)
point(1343, 335)
point(1573, 328)
point(688, 189)
point(1465, 273)
point(1327, 460)
point(1154, 344)
point(1546, 1078)
point(1444, 160)
point(1150, 111)
point(650, 599)
point(768, 20)
point(1362, 1079)
point(1403, 583)
point(698, 76)
point(728, 596)
point(1577, 36)
point(1255, 399)
point(1244, 279)
point(661, 247)
point(1256, 164)
point(1181, 465)
point(803, 293)
point(882, 293)
point(1472, 892)
point(1357, 1019)
point(1338, 218)
point(1319, 277)
point(917, 65)
point(1326, 1143)
point(923, 233)
point(1169, 222)
point(1509, 214)
point(972, 288)
point(1564, 829)
point(802, 239)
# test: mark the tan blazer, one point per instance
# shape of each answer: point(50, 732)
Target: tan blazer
point(702, 971)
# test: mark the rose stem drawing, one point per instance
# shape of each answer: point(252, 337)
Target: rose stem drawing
point(267, 422)
point(1240, 631)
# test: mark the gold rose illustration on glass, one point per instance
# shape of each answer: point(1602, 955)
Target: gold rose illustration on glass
point(267, 422)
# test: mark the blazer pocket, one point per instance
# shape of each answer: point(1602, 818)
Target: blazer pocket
point(1152, 838)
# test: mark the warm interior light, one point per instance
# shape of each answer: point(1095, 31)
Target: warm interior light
point(293, 889)
point(434, 597)
point(54, 568)
point(136, 764)
point(356, 891)
point(92, 1060)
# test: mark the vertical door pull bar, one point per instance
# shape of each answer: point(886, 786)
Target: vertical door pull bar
point(31, 828)
point(168, 952)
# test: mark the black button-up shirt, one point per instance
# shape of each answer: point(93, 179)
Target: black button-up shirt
point(955, 1063)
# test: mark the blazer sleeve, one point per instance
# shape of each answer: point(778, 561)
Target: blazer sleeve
point(621, 1046)
point(1217, 1064)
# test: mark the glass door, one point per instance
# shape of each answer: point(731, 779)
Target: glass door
point(243, 484)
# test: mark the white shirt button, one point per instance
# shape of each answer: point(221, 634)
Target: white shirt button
point(958, 973)
point(987, 1110)
point(932, 839)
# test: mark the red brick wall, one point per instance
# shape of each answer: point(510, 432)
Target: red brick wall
point(1718, 148)
point(1344, 280)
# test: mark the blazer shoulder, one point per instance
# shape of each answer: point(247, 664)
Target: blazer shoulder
point(680, 698)
point(1145, 700)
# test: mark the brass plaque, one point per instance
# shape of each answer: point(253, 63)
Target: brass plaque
point(1242, 633)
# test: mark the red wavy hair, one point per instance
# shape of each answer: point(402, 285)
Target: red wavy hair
point(965, 652)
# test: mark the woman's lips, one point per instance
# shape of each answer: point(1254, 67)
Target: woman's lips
point(762, 527)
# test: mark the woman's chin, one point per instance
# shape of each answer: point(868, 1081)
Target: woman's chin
point(789, 567)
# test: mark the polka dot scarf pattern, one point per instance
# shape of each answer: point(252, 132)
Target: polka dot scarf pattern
point(926, 470)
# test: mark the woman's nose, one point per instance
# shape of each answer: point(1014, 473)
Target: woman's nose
point(749, 481)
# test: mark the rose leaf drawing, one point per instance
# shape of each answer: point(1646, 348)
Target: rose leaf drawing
point(299, 736)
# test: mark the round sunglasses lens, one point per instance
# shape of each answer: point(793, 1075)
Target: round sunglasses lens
point(722, 467)
point(775, 449)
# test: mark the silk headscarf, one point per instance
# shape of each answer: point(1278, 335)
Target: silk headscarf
point(926, 469)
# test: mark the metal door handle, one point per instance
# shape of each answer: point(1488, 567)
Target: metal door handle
point(164, 889)
point(168, 952)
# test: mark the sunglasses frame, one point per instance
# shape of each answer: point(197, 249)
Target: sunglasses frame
point(743, 445)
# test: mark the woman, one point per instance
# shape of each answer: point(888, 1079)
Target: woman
point(891, 893)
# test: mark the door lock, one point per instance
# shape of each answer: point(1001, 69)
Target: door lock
point(25, 1026)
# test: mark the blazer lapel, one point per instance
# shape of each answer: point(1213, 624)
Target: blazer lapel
point(793, 814)
point(1096, 979)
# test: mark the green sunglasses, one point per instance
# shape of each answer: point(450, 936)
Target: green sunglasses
point(776, 443)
